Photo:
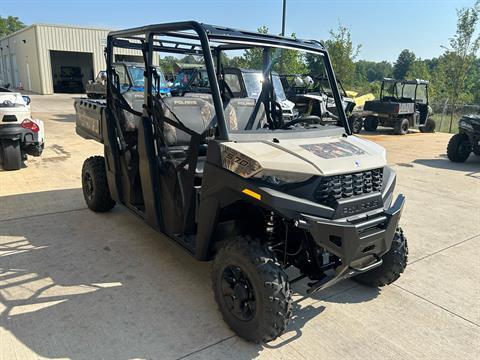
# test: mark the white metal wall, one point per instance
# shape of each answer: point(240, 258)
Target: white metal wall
point(30, 50)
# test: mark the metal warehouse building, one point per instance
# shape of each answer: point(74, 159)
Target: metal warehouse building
point(46, 59)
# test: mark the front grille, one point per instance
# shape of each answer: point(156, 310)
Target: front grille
point(333, 188)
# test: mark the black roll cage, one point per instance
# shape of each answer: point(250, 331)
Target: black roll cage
point(144, 39)
point(416, 82)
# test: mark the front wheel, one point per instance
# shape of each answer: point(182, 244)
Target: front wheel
point(401, 127)
point(12, 154)
point(459, 148)
point(251, 289)
point(394, 264)
point(95, 185)
point(429, 126)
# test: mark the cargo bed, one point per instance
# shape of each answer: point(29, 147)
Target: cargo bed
point(89, 118)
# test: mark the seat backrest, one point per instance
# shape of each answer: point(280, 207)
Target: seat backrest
point(238, 112)
point(195, 113)
point(135, 100)
point(204, 96)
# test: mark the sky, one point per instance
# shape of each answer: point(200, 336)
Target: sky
point(383, 28)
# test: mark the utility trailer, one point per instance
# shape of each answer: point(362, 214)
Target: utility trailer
point(230, 180)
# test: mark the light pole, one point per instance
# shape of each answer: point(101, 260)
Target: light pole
point(283, 16)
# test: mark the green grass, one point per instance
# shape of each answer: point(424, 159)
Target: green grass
point(446, 123)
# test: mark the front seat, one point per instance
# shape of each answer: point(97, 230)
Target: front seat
point(238, 112)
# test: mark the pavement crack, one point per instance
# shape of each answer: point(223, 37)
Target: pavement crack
point(443, 249)
point(439, 306)
point(205, 347)
point(44, 214)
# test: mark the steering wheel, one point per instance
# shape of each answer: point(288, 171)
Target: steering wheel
point(308, 119)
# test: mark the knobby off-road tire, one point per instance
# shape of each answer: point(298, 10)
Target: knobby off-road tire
point(260, 283)
point(356, 124)
point(459, 148)
point(12, 154)
point(394, 263)
point(429, 126)
point(95, 185)
point(370, 123)
point(401, 127)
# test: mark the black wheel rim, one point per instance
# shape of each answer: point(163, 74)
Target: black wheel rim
point(238, 293)
point(405, 127)
point(88, 186)
point(464, 148)
point(357, 126)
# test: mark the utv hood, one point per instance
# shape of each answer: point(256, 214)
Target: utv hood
point(323, 156)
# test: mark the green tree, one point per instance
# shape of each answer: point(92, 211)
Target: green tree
point(9, 25)
point(342, 54)
point(402, 65)
point(420, 70)
point(460, 54)
point(253, 58)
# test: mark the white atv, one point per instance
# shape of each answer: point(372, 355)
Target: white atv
point(19, 133)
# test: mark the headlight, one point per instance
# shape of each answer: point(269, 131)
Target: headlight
point(465, 125)
point(283, 179)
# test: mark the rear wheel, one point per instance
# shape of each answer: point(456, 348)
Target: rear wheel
point(401, 127)
point(251, 290)
point(459, 148)
point(429, 126)
point(394, 264)
point(12, 154)
point(356, 124)
point(95, 185)
point(370, 123)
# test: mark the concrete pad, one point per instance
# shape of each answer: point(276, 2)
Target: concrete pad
point(88, 286)
point(362, 324)
point(74, 284)
point(457, 291)
point(432, 223)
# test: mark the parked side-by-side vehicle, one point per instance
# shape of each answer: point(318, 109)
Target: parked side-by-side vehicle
point(403, 104)
point(20, 135)
point(231, 179)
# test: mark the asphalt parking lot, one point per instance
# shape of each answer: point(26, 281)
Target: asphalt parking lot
point(80, 285)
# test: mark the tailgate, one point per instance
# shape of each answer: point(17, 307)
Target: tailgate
point(382, 107)
point(89, 116)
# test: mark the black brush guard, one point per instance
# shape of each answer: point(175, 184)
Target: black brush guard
point(359, 245)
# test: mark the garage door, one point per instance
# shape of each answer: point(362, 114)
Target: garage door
point(71, 71)
point(128, 58)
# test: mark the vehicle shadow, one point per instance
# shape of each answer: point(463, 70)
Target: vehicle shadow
point(471, 167)
point(384, 131)
point(66, 118)
point(82, 285)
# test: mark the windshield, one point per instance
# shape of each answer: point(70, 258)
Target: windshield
point(269, 108)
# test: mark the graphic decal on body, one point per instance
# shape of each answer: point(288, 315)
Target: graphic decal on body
point(333, 150)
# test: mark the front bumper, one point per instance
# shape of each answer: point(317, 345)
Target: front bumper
point(358, 244)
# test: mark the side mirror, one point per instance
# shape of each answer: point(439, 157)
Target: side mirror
point(26, 99)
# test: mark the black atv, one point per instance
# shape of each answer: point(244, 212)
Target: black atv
point(466, 141)
point(232, 180)
point(403, 104)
